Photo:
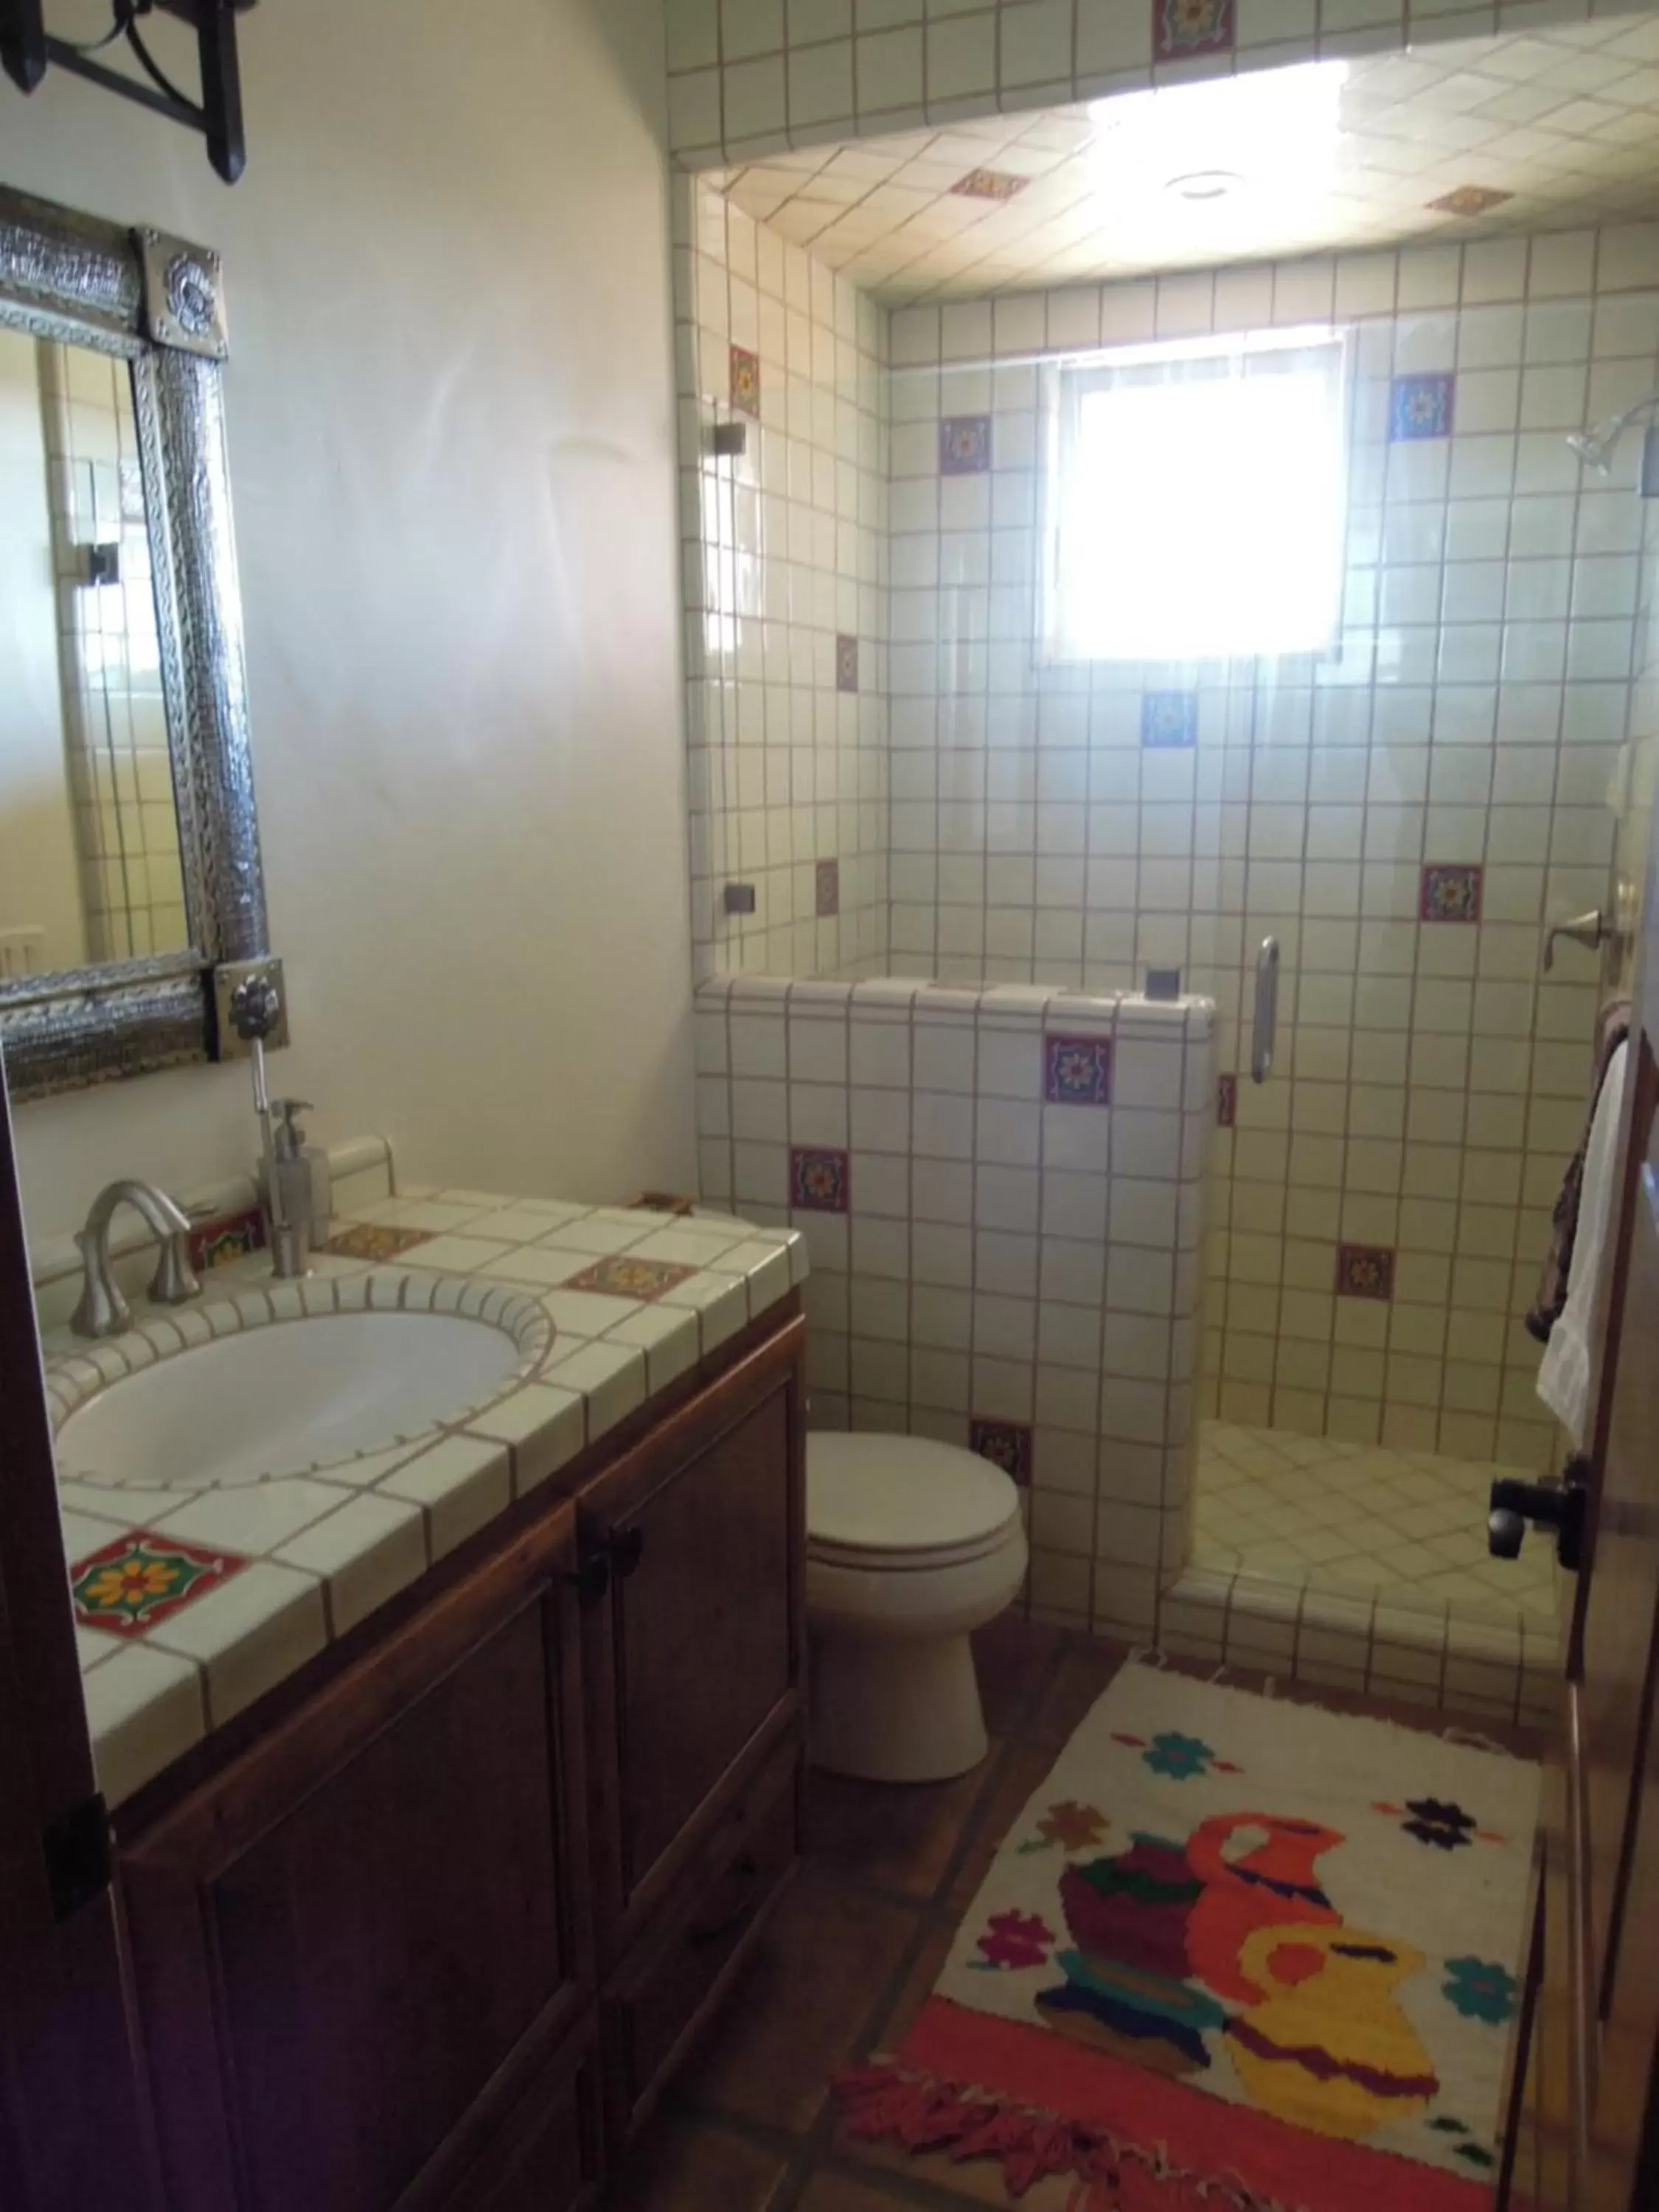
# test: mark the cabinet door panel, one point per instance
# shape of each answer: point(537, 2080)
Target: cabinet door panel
point(704, 1631)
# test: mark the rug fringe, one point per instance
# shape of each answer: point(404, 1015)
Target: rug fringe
point(882, 2100)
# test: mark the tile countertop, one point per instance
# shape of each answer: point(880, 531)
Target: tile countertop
point(192, 1603)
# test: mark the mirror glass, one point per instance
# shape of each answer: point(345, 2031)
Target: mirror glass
point(90, 865)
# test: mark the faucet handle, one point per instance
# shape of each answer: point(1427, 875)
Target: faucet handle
point(255, 1006)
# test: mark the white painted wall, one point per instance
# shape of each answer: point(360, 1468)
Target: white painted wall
point(452, 441)
point(40, 878)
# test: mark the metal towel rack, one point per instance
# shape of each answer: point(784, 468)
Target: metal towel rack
point(1264, 1033)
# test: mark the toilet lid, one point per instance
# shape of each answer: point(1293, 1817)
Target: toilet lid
point(870, 1493)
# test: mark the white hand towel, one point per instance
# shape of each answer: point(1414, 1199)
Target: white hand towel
point(1564, 1376)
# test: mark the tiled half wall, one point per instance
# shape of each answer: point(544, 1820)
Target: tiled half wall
point(1002, 1192)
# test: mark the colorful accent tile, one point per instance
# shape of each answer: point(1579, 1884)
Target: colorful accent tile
point(847, 664)
point(1421, 407)
point(1076, 1071)
point(1450, 892)
point(1226, 1101)
point(827, 889)
point(370, 1240)
point(746, 381)
point(662, 1202)
point(1007, 1445)
point(618, 1277)
point(1365, 1271)
point(1169, 719)
point(1469, 199)
point(964, 445)
point(137, 1579)
point(989, 184)
point(1184, 27)
point(820, 1181)
point(229, 1236)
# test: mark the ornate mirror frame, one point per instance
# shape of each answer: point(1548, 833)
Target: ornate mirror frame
point(156, 302)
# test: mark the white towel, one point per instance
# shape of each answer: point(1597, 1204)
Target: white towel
point(1564, 1376)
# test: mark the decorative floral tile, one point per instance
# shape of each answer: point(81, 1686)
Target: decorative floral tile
point(136, 1580)
point(827, 889)
point(662, 1202)
point(1007, 1445)
point(619, 1277)
point(1469, 199)
point(1076, 1071)
point(820, 1181)
point(1365, 1271)
point(746, 381)
point(1450, 892)
point(964, 445)
point(229, 1236)
point(369, 1240)
point(1181, 27)
point(1226, 1100)
point(1169, 719)
point(847, 663)
point(989, 184)
point(1421, 407)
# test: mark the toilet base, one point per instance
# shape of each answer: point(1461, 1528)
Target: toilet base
point(896, 1709)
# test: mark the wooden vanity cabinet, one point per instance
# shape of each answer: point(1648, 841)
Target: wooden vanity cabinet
point(430, 1943)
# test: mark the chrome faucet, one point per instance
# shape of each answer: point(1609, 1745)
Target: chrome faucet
point(103, 1311)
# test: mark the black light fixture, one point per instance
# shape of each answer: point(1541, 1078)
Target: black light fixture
point(27, 47)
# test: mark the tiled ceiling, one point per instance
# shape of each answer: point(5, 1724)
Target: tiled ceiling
point(1536, 132)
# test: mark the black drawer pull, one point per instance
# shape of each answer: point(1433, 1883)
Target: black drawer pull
point(591, 1580)
point(745, 1870)
point(627, 1550)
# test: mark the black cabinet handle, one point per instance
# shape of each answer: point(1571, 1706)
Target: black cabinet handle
point(627, 1550)
point(745, 1871)
point(591, 1580)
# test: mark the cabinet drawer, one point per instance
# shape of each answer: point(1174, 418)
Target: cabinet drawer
point(656, 1999)
point(547, 2155)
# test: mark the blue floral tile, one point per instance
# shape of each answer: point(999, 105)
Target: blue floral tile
point(1421, 407)
point(847, 664)
point(1181, 27)
point(826, 888)
point(1076, 1071)
point(819, 1181)
point(1226, 1101)
point(964, 445)
point(1450, 892)
point(1365, 1271)
point(1007, 1445)
point(1169, 719)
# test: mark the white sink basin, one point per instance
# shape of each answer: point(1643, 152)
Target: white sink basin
point(285, 1397)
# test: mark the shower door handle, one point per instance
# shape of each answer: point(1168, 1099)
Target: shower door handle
point(1264, 1032)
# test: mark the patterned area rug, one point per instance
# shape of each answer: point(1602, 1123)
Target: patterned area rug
point(1235, 1952)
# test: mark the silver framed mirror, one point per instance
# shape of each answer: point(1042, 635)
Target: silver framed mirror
point(128, 887)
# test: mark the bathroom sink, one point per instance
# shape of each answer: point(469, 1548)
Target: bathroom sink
point(287, 1397)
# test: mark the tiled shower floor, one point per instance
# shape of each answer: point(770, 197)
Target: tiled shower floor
point(1402, 1525)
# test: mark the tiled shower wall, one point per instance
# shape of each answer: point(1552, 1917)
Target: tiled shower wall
point(1002, 1192)
point(1383, 1202)
point(783, 541)
point(747, 77)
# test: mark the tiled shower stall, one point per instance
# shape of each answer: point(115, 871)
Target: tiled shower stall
point(1404, 812)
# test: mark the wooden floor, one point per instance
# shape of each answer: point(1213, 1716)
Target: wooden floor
point(854, 1948)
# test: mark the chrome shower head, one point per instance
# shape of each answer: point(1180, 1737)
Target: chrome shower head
point(1595, 447)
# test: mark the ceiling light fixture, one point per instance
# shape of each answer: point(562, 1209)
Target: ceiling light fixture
point(27, 47)
point(1205, 184)
point(1274, 129)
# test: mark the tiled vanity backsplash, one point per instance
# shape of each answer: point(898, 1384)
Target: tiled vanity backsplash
point(1002, 1192)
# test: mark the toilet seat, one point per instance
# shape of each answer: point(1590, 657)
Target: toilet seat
point(887, 1505)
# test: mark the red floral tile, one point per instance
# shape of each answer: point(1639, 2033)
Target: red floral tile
point(1007, 1444)
point(1469, 199)
point(616, 1276)
point(1450, 892)
point(964, 445)
point(990, 185)
point(227, 1237)
point(1226, 1100)
point(1182, 28)
point(746, 381)
point(826, 888)
point(820, 1180)
point(137, 1579)
point(372, 1240)
point(662, 1202)
point(1365, 1271)
point(1076, 1071)
point(847, 663)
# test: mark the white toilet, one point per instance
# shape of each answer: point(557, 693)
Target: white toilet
point(910, 1545)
